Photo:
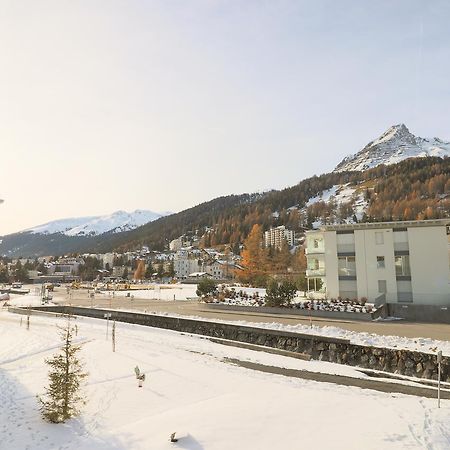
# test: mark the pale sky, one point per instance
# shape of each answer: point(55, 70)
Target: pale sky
point(161, 105)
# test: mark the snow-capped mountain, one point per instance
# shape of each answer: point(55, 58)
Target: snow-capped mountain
point(96, 225)
point(393, 146)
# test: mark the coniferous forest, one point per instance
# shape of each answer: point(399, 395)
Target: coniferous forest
point(417, 188)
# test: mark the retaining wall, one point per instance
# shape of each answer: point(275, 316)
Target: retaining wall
point(419, 313)
point(404, 362)
point(365, 317)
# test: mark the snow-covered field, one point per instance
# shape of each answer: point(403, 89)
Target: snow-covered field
point(162, 292)
point(191, 390)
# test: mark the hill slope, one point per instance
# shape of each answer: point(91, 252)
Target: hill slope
point(417, 188)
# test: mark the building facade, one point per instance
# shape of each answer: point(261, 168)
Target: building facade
point(385, 262)
point(275, 237)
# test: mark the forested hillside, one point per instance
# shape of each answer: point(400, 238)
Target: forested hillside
point(418, 188)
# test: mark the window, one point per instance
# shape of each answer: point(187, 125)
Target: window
point(380, 262)
point(402, 266)
point(347, 266)
point(382, 286)
point(313, 264)
point(379, 238)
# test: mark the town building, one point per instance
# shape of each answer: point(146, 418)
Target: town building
point(65, 266)
point(186, 262)
point(179, 243)
point(276, 236)
point(384, 262)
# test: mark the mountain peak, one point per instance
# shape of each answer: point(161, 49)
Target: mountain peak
point(394, 145)
point(96, 225)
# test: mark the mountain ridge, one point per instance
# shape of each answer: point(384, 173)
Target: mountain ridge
point(417, 187)
point(396, 144)
point(116, 222)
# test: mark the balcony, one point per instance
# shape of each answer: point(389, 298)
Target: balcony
point(315, 246)
point(320, 272)
point(346, 249)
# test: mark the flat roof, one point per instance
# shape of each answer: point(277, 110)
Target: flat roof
point(396, 224)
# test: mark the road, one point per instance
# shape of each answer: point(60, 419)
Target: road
point(194, 308)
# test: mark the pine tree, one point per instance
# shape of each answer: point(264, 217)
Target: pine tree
point(171, 270)
point(149, 271)
point(160, 270)
point(66, 373)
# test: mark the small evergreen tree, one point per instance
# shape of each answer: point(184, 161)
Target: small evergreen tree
point(160, 270)
point(63, 396)
point(4, 276)
point(171, 270)
point(149, 271)
point(280, 294)
point(205, 287)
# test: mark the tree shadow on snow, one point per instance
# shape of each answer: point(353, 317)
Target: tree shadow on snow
point(22, 425)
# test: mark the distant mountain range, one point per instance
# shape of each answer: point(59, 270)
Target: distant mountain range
point(412, 183)
point(95, 225)
point(393, 146)
point(79, 234)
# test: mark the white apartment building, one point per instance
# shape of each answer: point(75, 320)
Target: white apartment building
point(186, 262)
point(179, 243)
point(275, 237)
point(108, 258)
point(65, 266)
point(385, 262)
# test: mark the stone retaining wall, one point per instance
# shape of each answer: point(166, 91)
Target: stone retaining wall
point(404, 362)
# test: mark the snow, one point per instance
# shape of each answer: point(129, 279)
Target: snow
point(162, 292)
point(341, 193)
point(187, 291)
point(420, 344)
point(94, 225)
point(323, 196)
point(190, 390)
point(393, 146)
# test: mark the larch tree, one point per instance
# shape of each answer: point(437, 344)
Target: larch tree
point(139, 273)
point(63, 398)
point(254, 260)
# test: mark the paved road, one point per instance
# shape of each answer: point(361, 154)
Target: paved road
point(194, 308)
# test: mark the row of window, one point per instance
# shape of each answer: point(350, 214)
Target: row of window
point(318, 242)
point(347, 265)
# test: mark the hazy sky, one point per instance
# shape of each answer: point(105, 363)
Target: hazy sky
point(161, 105)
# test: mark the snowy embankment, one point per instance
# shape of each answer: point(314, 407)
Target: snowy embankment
point(420, 344)
point(190, 390)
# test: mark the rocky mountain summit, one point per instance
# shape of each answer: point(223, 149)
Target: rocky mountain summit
point(393, 146)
